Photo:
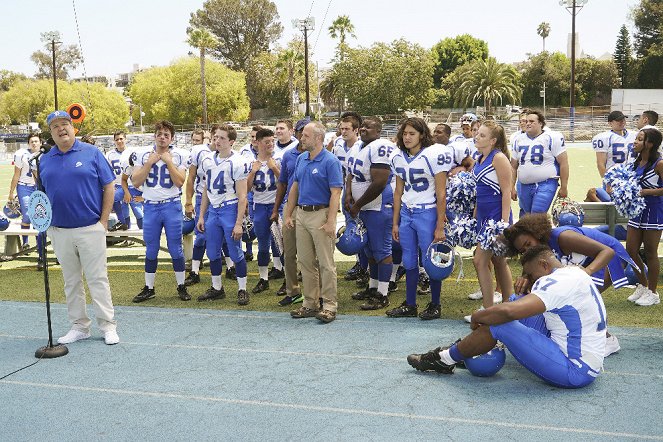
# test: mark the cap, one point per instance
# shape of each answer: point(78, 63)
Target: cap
point(616, 116)
point(57, 115)
point(301, 123)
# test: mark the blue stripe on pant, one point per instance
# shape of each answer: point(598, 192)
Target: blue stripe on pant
point(378, 225)
point(537, 197)
point(23, 193)
point(167, 216)
point(219, 227)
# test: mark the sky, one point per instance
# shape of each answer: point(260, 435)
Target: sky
point(116, 34)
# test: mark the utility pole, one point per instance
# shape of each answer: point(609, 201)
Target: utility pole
point(305, 25)
point(573, 6)
point(53, 37)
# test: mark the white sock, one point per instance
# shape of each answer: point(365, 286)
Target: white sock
point(149, 280)
point(263, 271)
point(195, 266)
point(179, 277)
point(383, 287)
point(394, 270)
point(372, 283)
point(445, 356)
point(229, 262)
point(278, 265)
point(241, 283)
point(217, 282)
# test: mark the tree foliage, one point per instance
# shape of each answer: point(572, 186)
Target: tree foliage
point(32, 100)
point(487, 82)
point(552, 68)
point(9, 78)
point(647, 17)
point(451, 53)
point(244, 28)
point(341, 28)
point(595, 80)
point(203, 40)
point(173, 92)
point(385, 78)
point(543, 30)
point(623, 56)
point(67, 58)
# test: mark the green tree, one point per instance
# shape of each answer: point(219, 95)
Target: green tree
point(265, 86)
point(244, 28)
point(386, 78)
point(203, 40)
point(555, 70)
point(8, 78)
point(647, 17)
point(487, 81)
point(67, 58)
point(650, 72)
point(595, 80)
point(623, 55)
point(451, 53)
point(544, 31)
point(341, 28)
point(32, 100)
point(290, 62)
point(172, 93)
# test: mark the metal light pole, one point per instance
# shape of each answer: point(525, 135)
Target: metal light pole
point(305, 25)
point(573, 6)
point(53, 38)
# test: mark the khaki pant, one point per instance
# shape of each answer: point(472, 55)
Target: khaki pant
point(290, 258)
point(314, 244)
point(83, 251)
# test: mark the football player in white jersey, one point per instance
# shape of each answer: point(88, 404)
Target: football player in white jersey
point(442, 133)
point(522, 126)
point(224, 201)
point(466, 127)
point(262, 181)
point(369, 196)
point(647, 120)
point(132, 195)
point(420, 168)
point(540, 164)
point(250, 152)
point(285, 139)
point(120, 207)
point(614, 146)
point(23, 183)
point(161, 170)
point(557, 331)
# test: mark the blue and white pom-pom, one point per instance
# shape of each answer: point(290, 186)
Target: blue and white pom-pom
point(463, 231)
point(488, 237)
point(625, 190)
point(462, 193)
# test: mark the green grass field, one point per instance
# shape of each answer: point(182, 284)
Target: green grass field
point(20, 281)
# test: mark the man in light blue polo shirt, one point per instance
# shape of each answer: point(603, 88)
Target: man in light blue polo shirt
point(315, 191)
point(79, 183)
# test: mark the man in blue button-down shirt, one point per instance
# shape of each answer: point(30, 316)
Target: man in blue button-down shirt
point(79, 183)
point(315, 191)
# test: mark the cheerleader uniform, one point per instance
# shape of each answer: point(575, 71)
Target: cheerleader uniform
point(652, 217)
point(615, 266)
point(489, 194)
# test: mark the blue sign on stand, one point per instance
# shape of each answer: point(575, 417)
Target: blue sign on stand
point(40, 211)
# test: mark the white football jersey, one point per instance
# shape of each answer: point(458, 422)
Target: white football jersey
point(279, 150)
point(114, 159)
point(249, 152)
point(198, 152)
point(614, 145)
point(21, 160)
point(455, 138)
point(513, 137)
point(158, 185)
point(220, 175)
point(575, 314)
point(537, 157)
point(264, 185)
point(418, 172)
point(341, 150)
point(460, 151)
point(360, 160)
point(126, 164)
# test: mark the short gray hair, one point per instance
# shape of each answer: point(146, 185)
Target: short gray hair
point(318, 130)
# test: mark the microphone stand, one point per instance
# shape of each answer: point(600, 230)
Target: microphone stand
point(49, 351)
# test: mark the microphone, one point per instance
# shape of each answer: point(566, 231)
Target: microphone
point(42, 150)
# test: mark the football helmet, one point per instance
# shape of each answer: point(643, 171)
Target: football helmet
point(351, 238)
point(4, 223)
point(487, 364)
point(12, 209)
point(188, 225)
point(439, 260)
point(566, 212)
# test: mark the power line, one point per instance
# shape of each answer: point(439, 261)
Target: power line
point(322, 25)
point(80, 45)
point(311, 8)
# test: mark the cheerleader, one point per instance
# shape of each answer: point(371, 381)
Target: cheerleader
point(646, 228)
point(492, 171)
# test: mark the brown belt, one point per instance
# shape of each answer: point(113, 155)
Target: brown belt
point(306, 208)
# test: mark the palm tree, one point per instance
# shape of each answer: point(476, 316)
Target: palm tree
point(202, 39)
point(292, 62)
point(487, 81)
point(544, 31)
point(341, 28)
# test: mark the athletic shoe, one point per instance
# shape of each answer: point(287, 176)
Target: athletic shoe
point(432, 311)
point(326, 316)
point(649, 298)
point(183, 293)
point(637, 294)
point(111, 337)
point(375, 302)
point(362, 279)
point(497, 298)
point(424, 284)
point(353, 273)
point(287, 300)
point(393, 286)
point(430, 362)
point(403, 311)
point(275, 273)
point(364, 294)
point(211, 294)
point(468, 318)
point(400, 273)
point(476, 296)
point(242, 297)
point(230, 273)
point(282, 291)
point(303, 312)
point(193, 278)
point(611, 346)
point(72, 336)
point(144, 295)
point(248, 256)
point(261, 286)
point(118, 226)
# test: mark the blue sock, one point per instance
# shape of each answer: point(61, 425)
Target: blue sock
point(263, 258)
point(240, 268)
point(178, 264)
point(363, 260)
point(435, 289)
point(397, 255)
point(216, 266)
point(198, 253)
point(39, 242)
point(117, 208)
point(139, 221)
point(127, 221)
point(373, 270)
point(411, 281)
point(455, 354)
point(151, 265)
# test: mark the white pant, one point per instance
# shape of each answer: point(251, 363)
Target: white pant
point(83, 250)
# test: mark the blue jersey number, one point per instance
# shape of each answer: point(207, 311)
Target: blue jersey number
point(595, 295)
point(264, 182)
point(444, 158)
point(536, 154)
point(618, 154)
point(217, 184)
point(597, 144)
point(115, 164)
point(415, 181)
point(159, 175)
point(356, 172)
